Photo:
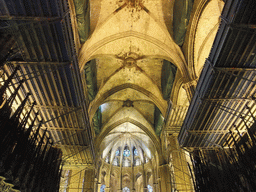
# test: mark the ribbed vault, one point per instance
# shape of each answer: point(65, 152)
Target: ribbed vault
point(129, 64)
point(121, 75)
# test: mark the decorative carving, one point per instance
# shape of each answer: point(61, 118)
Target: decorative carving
point(130, 58)
point(190, 83)
point(130, 62)
point(190, 88)
point(133, 7)
point(128, 103)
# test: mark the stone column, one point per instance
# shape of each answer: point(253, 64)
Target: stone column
point(98, 187)
point(165, 178)
point(159, 184)
point(133, 180)
point(88, 184)
point(95, 184)
point(121, 177)
point(144, 179)
point(107, 179)
point(190, 88)
point(99, 170)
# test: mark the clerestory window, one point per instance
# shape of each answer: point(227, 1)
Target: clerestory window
point(102, 188)
point(126, 189)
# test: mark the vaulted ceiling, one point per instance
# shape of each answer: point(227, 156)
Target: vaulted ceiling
point(117, 66)
point(129, 64)
point(133, 64)
point(115, 74)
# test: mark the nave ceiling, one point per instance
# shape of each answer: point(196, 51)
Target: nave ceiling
point(128, 44)
point(131, 64)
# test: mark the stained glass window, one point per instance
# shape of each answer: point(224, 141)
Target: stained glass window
point(107, 159)
point(127, 163)
point(117, 152)
point(135, 152)
point(150, 188)
point(102, 188)
point(137, 161)
point(126, 189)
point(126, 152)
point(115, 162)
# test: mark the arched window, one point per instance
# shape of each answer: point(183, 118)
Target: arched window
point(150, 188)
point(127, 162)
point(126, 152)
point(137, 161)
point(107, 159)
point(102, 188)
point(115, 161)
point(135, 152)
point(126, 189)
point(117, 152)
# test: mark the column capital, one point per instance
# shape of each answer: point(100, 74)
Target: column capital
point(190, 83)
point(190, 88)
